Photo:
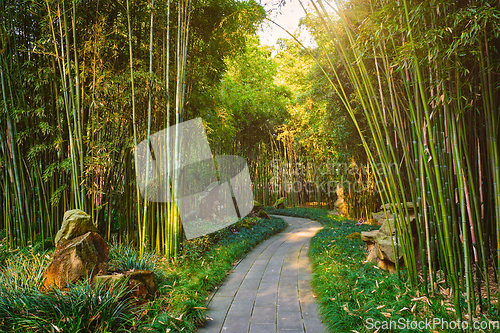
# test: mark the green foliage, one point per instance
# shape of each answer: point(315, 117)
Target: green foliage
point(323, 131)
point(202, 268)
point(4, 251)
point(250, 100)
point(126, 257)
point(67, 102)
point(423, 78)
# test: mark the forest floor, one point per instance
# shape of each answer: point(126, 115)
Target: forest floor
point(352, 296)
point(178, 306)
point(355, 296)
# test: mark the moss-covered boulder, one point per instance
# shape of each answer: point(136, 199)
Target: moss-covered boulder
point(257, 211)
point(81, 257)
point(280, 203)
point(263, 214)
point(80, 252)
point(141, 283)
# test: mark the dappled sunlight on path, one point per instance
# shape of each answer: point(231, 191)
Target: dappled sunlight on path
point(269, 290)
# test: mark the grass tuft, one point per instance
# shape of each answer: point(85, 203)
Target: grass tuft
point(123, 258)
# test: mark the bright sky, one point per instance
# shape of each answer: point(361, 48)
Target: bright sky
point(288, 17)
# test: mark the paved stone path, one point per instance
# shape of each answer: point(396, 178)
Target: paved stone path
point(269, 290)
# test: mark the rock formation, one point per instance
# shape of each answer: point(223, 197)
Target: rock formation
point(80, 251)
point(380, 242)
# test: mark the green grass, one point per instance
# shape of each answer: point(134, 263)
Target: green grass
point(354, 296)
point(179, 306)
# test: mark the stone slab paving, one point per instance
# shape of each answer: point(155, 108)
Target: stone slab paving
point(269, 290)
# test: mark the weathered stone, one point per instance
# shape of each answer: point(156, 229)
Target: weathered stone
point(379, 242)
point(368, 236)
point(353, 236)
point(209, 205)
point(75, 223)
point(111, 279)
point(340, 205)
point(383, 244)
point(386, 265)
point(82, 257)
point(378, 216)
point(372, 255)
point(381, 216)
point(145, 277)
point(256, 205)
point(263, 214)
point(409, 206)
point(141, 283)
point(388, 227)
point(257, 211)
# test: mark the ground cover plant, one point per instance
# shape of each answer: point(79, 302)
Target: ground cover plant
point(179, 305)
point(358, 297)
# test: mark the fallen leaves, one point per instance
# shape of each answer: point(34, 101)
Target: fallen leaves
point(423, 299)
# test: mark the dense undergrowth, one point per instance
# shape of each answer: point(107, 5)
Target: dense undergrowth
point(358, 297)
point(179, 305)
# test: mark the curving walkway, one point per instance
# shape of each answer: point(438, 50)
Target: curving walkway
point(269, 290)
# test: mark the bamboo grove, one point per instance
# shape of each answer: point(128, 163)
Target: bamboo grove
point(82, 83)
point(424, 75)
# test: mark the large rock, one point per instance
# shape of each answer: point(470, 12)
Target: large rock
point(339, 204)
point(75, 223)
point(81, 257)
point(209, 206)
point(388, 227)
point(380, 217)
point(141, 284)
point(368, 236)
point(409, 206)
point(380, 243)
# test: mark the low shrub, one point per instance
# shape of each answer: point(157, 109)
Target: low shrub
point(125, 257)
